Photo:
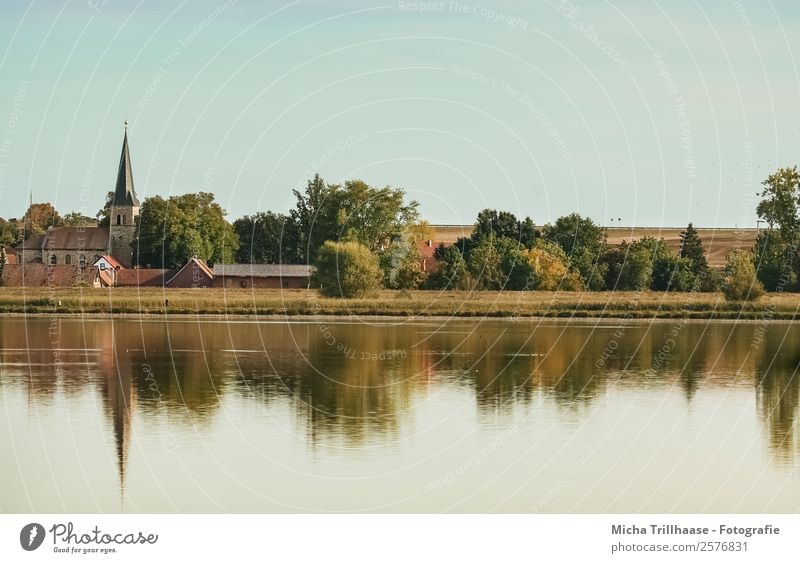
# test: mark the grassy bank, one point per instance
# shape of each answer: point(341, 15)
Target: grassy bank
point(153, 301)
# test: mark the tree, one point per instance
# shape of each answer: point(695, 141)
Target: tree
point(550, 268)
point(673, 273)
point(740, 282)
point(313, 218)
point(451, 269)
point(3, 261)
point(585, 245)
point(775, 262)
point(104, 215)
point(354, 211)
point(267, 238)
point(170, 231)
point(780, 199)
point(9, 233)
point(401, 263)
point(503, 224)
point(485, 264)
point(692, 250)
point(76, 219)
point(39, 217)
point(346, 269)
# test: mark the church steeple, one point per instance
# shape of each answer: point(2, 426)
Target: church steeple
point(124, 194)
point(124, 209)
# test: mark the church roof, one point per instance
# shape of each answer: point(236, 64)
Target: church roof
point(76, 238)
point(33, 242)
point(124, 194)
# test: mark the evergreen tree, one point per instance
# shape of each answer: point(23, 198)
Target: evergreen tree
point(692, 250)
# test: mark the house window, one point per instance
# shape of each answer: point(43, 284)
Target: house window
point(123, 219)
point(53, 260)
point(102, 265)
point(68, 259)
point(243, 283)
point(119, 219)
point(83, 260)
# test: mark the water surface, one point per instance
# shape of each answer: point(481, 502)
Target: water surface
point(200, 415)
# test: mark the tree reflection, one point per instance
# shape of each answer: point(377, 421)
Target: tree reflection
point(778, 390)
point(357, 383)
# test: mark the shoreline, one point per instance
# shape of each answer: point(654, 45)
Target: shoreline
point(212, 317)
point(277, 304)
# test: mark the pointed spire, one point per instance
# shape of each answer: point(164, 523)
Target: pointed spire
point(124, 194)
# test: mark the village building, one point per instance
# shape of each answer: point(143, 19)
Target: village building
point(10, 254)
point(195, 274)
point(246, 276)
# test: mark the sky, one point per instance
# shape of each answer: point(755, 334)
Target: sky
point(630, 112)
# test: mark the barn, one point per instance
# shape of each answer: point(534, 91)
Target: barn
point(242, 276)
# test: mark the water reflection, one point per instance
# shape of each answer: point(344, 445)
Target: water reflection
point(357, 384)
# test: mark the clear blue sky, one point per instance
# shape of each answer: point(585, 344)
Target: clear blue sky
point(513, 105)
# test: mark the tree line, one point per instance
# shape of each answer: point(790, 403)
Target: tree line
point(361, 238)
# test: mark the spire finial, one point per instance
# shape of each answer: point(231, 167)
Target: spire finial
point(126, 123)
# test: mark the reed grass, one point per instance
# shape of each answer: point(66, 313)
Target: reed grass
point(607, 304)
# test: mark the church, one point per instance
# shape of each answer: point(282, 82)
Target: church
point(84, 246)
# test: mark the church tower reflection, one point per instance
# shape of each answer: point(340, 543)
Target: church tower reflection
point(119, 399)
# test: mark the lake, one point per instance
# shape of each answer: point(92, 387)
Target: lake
point(338, 415)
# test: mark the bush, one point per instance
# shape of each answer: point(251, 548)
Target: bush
point(550, 268)
point(401, 263)
point(740, 282)
point(347, 269)
point(775, 262)
point(451, 270)
point(673, 273)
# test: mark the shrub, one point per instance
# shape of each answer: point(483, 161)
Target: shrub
point(673, 273)
point(347, 269)
point(550, 268)
point(740, 282)
point(451, 269)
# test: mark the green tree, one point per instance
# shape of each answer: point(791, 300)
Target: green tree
point(76, 219)
point(170, 231)
point(673, 273)
point(775, 262)
point(639, 265)
point(503, 224)
point(484, 265)
point(353, 211)
point(3, 261)
point(451, 269)
point(401, 263)
point(347, 269)
point(267, 238)
point(104, 215)
point(584, 243)
point(314, 218)
point(780, 195)
point(637, 270)
point(9, 233)
point(740, 282)
point(692, 250)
